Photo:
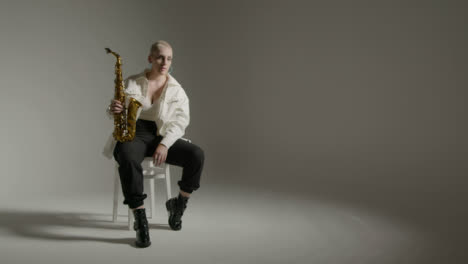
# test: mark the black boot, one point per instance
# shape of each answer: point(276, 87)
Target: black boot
point(176, 207)
point(141, 227)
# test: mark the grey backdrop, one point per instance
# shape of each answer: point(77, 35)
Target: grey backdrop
point(359, 102)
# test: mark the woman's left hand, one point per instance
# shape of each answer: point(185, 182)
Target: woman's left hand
point(160, 154)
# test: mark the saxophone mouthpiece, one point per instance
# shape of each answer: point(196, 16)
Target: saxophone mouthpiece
point(108, 50)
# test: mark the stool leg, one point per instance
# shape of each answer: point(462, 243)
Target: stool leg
point(130, 218)
point(168, 185)
point(148, 201)
point(116, 193)
point(168, 182)
point(153, 198)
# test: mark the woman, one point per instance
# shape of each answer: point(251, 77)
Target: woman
point(161, 123)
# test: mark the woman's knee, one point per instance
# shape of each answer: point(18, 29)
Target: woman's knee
point(198, 154)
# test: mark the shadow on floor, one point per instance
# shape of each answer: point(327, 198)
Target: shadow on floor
point(40, 225)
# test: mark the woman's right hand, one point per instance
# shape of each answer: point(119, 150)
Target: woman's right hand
point(116, 107)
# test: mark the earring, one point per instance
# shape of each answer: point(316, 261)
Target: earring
point(171, 69)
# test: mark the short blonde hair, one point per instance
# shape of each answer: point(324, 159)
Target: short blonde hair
point(155, 47)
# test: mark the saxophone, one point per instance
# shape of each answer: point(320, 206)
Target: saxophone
point(125, 121)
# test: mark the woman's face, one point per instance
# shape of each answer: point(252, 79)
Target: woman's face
point(161, 60)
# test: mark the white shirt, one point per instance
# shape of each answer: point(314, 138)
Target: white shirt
point(152, 112)
point(170, 112)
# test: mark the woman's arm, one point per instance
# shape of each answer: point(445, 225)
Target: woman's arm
point(177, 123)
point(131, 90)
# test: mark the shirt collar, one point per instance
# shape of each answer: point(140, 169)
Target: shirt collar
point(170, 82)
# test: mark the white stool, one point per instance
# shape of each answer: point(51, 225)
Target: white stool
point(150, 172)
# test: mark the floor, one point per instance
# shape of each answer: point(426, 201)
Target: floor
point(234, 225)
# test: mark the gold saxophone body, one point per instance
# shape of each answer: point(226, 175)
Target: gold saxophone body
point(125, 121)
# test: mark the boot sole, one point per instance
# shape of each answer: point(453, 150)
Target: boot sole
point(143, 245)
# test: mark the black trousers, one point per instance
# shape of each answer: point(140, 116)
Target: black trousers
point(129, 156)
